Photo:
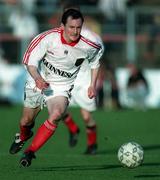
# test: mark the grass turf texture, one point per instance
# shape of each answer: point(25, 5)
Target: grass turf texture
point(57, 161)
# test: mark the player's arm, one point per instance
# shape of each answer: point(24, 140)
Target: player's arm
point(94, 64)
point(92, 87)
point(33, 56)
point(40, 82)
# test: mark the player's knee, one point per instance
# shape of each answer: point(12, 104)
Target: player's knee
point(90, 122)
point(26, 121)
point(86, 117)
point(55, 117)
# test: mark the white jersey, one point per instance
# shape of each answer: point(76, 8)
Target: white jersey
point(57, 61)
point(85, 70)
point(82, 82)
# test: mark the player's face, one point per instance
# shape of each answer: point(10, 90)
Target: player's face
point(72, 29)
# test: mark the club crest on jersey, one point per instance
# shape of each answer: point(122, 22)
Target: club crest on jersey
point(79, 61)
point(65, 52)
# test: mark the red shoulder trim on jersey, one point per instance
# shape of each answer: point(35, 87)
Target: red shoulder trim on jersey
point(35, 42)
point(90, 43)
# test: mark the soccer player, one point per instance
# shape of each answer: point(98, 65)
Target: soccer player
point(53, 60)
point(80, 98)
point(137, 88)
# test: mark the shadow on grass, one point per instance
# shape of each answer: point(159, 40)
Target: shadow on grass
point(148, 176)
point(151, 147)
point(151, 164)
point(109, 151)
point(78, 168)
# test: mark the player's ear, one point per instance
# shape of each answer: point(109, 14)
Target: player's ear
point(62, 26)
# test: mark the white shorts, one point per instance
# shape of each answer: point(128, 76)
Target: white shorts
point(80, 91)
point(80, 98)
point(34, 97)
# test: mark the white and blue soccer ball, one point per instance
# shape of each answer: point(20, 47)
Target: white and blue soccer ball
point(131, 154)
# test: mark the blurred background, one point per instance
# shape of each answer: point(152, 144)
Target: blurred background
point(130, 29)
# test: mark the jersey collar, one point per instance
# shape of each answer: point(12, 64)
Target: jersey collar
point(65, 42)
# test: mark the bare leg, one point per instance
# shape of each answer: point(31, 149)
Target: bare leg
point(56, 108)
point(91, 131)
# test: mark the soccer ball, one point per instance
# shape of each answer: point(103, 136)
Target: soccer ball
point(130, 154)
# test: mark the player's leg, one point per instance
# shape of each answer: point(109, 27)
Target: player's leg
point(56, 108)
point(72, 128)
point(27, 122)
point(26, 125)
point(68, 120)
point(33, 100)
point(91, 131)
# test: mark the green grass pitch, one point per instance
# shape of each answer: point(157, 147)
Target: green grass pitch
point(57, 161)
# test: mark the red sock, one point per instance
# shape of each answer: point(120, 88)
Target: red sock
point(43, 134)
point(70, 123)
point(25, 131)
point(91, 135)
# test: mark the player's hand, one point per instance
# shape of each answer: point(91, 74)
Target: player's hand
point(41, 84)
point(91, 92)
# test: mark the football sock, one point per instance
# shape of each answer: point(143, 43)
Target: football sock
point(91, 135)
point(25, 131)
point(68, 120)
point(45, 131)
